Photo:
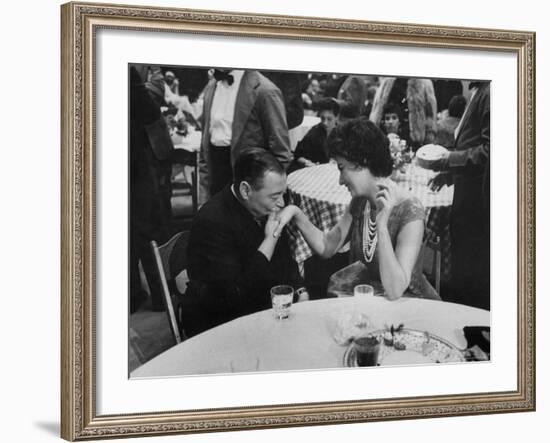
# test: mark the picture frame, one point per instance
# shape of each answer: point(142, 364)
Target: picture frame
point(80, 242)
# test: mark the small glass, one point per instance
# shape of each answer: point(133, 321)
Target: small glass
point(281, 300)
point(363, 291)
point(367, 350)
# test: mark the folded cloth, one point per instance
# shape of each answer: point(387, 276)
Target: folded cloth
point(479, 342)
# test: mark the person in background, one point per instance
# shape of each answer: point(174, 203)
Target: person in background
point(445, 135)
point(354, 91)
point(331, 84)
point(371, 92)
point(242, 109)
point(234, 258)
point(310, 95)
point(150, 171)
point(290, 84)
point(391, 121)
point(312, 150)
point(469, 165)
point(416, 99)
point(172, 82)
point(348, 111)
point(445, 90)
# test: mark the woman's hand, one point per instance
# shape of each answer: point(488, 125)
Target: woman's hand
point(283, 217)
point(271, 226)
point(386, 198)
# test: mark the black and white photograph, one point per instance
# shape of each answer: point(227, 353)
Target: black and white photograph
point(284, 220)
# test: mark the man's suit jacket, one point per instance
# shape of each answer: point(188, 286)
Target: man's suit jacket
point(228, 276)
point(469, 162)
point(470, 213)
point(259, 121)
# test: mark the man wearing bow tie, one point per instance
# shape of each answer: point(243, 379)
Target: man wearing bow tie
point(242, 109)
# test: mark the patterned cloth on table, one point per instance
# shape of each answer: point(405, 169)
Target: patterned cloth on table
point(317, 192)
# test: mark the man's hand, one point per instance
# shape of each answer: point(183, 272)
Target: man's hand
point(440, 180)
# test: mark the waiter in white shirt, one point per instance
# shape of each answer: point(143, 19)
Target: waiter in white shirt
point(242, 109)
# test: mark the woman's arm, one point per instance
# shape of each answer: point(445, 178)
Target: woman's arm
point(396, 266)
point(324, 245)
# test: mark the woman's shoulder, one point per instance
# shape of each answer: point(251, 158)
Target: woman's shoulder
point(409, 208)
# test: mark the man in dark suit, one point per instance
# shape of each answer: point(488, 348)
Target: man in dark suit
point(150, 169)
point(242, 109)
point(234, 258)
point(469, 166)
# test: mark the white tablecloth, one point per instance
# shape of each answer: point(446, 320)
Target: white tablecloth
point(190, 143)
point(259, 342)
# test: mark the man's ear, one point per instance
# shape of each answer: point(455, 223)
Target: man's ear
point(244, 190)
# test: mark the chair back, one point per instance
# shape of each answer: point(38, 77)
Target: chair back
point(434, 245)
point(162, 256)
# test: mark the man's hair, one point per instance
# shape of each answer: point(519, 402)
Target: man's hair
point(457, 104)
point(328, 104)
point(362, 143)
point(252, 164)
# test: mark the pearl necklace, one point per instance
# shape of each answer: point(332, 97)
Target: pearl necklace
point(370, 235)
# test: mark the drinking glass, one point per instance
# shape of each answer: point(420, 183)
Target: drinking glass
point(281, 300)
point(367, 350)
point(363, 291)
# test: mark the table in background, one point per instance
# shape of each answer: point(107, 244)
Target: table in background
point(317, 192)
point(259, 342)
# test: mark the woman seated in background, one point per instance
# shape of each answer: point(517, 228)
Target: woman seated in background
point(384, 224)
point(312, 148)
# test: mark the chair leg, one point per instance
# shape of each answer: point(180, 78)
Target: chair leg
point(437, 256)
point(166, 293)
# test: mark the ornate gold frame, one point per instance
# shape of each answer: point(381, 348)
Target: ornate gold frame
point(79, 420)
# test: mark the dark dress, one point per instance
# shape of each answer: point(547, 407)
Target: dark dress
point(229, 277)
point(313, 147)
point(359, 271)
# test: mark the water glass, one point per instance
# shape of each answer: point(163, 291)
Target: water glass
point(363, 291)
point(281, 300)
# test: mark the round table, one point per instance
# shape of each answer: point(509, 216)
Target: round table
point(305, 340)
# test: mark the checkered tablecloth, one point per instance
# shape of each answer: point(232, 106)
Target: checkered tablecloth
point(317, 192)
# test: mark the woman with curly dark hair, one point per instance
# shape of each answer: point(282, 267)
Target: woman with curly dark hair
point(384, 223)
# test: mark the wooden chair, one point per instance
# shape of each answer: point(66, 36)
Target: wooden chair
point(162, 256)
point(435, 269)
